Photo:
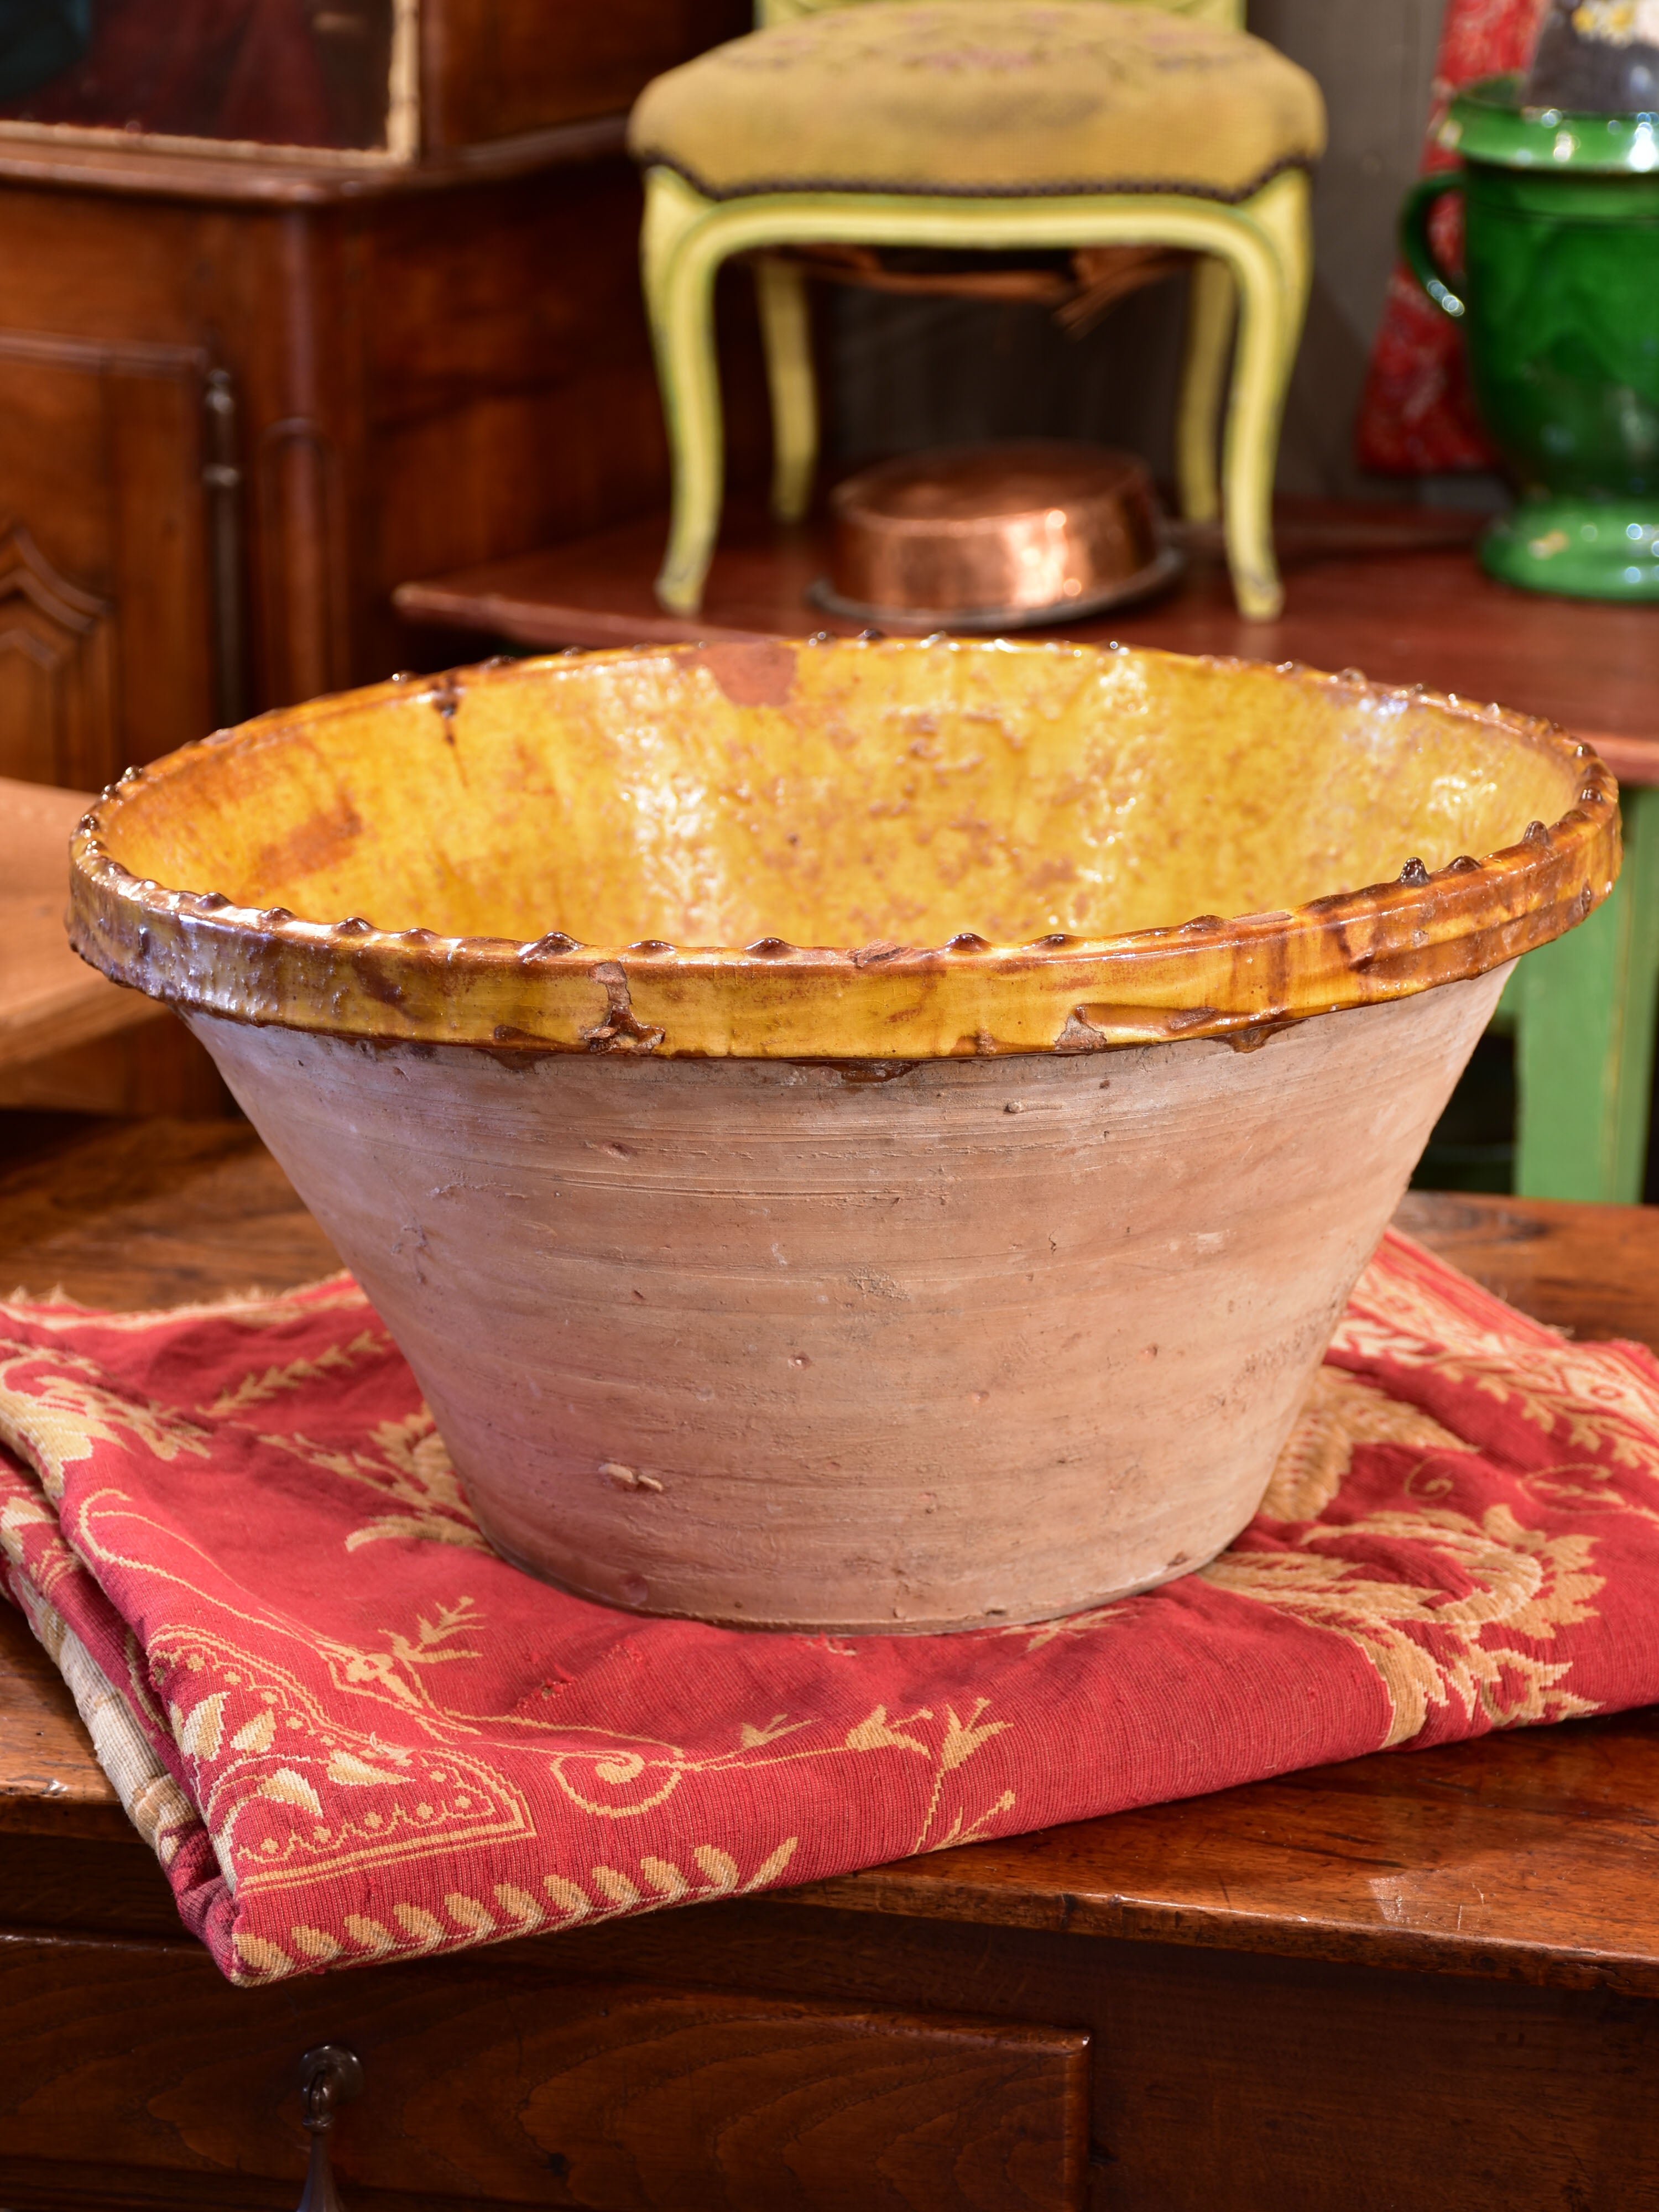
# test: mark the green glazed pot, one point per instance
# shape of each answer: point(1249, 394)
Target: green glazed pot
point(1559, 304)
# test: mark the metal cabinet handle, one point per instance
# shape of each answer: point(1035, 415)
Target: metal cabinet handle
point(330, 2076)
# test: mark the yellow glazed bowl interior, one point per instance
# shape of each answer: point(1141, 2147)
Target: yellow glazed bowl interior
point(841, 849)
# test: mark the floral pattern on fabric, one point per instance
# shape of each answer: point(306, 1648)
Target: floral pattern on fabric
point(350, 1732)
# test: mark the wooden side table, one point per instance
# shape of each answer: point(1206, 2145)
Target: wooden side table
point(1426, 1980)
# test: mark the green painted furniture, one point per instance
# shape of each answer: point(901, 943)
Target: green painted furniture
point(1008, 126)
point(1584, 1010)
point(1558, 301)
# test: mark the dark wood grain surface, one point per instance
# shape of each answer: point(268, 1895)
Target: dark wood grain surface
point(1393, 592)
point(149, 1214)
point(1591, 1270)
point(1526, 1856)
point(494, 69)
point(50, 1784)
point(1218, 2083)
point(628, 2096)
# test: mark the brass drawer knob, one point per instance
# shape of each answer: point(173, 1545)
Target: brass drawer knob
point(330, 2076)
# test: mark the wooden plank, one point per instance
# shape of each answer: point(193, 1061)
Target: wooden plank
point(50, 1000)
point(1220, 2082)
point(154, 1067)
point(1524, 1857)
point(155, 420)
point(50, 1782)
point(152, 1214)
point(1592, 1270)
point(1228, 2082)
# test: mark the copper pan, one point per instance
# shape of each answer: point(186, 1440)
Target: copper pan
point(994, 537)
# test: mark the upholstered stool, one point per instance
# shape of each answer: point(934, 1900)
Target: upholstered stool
point(1002, 125)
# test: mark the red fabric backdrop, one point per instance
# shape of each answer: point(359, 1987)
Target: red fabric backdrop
point(1417, 416)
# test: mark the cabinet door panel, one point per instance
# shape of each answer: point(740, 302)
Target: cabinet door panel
point(56, 688)
point(106, 621)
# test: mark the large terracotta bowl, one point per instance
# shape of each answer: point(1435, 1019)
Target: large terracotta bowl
point(858, 1135)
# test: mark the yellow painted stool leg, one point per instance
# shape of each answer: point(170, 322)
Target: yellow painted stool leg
point(681, 251)
point(786, 333)
point(1211, 307)
point(1274, 289)
point(1251, 443)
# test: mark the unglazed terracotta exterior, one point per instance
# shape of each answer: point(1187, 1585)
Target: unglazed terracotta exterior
point(844, 1346)
point(959, 1250)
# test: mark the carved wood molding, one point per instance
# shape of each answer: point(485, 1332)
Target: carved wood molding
point(101, 356)
point(26, 573)
point(149, 483)
point(56, 666)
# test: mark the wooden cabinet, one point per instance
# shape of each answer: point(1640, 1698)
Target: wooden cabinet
point(245, 391)
point(107, 621)
point(228, 425)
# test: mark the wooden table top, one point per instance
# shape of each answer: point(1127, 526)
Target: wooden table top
point(50, 1000)
point(1532, 1855)
point(1393, 590)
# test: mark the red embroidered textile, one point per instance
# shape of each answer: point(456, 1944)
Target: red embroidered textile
point(351, 1733)
point(1417, 416)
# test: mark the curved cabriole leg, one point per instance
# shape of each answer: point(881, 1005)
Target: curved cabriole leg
point(1269, 255)
point(1264, 247)
point(1212, 309)
point(680, 253)
point(786, 333)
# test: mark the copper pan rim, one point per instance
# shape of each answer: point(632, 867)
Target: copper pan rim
point(922, 621)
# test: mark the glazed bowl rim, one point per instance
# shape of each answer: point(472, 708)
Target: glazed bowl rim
point(1237, 977)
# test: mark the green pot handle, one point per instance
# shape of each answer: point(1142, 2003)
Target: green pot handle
point(1416, 245)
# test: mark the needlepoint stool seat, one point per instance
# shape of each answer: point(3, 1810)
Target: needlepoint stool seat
point(958, 98)
point(990, 124)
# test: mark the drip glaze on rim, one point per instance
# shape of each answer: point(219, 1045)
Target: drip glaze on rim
point(219, 951)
